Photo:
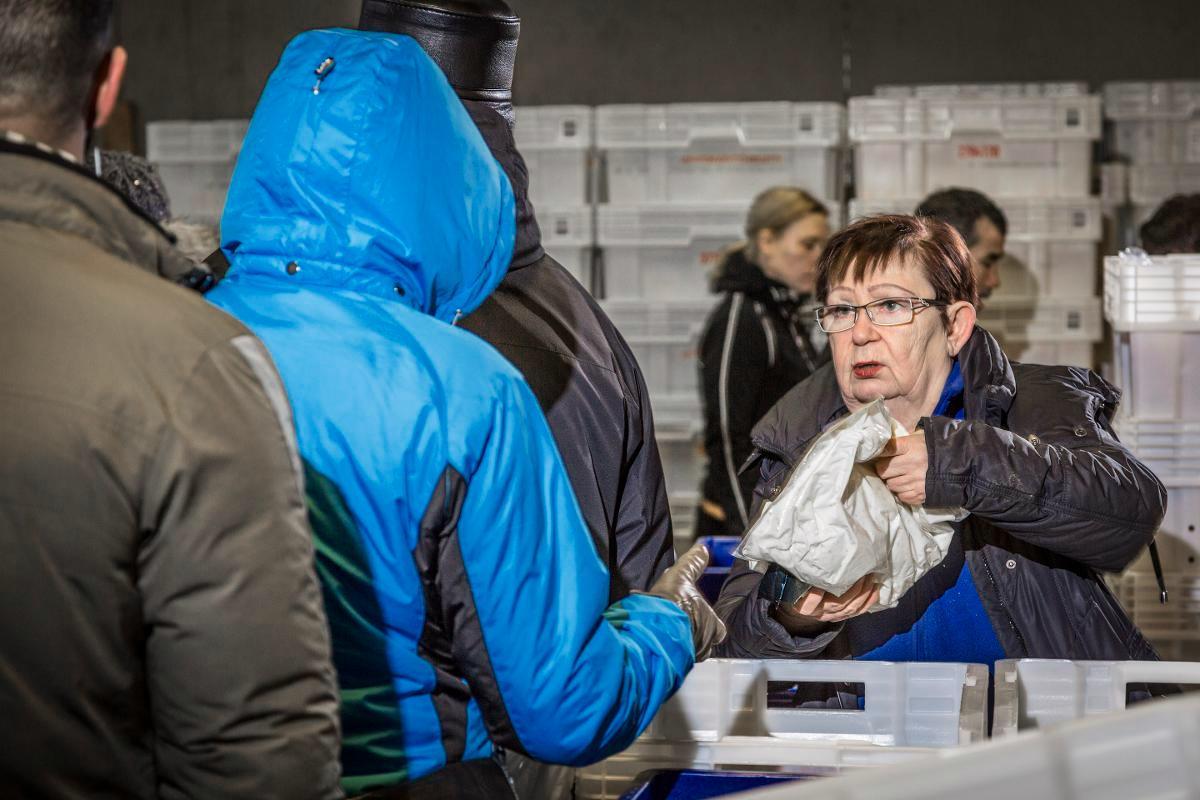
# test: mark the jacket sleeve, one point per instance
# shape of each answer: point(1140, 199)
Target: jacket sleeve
point(734, 361)
point(1076, 492)
point(558, 676)
point(242, 689)
point(752, 631)
point(645, 543)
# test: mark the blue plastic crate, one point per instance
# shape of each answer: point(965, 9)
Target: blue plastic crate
point(720, 549)
point(688, 784)
point(711, 581)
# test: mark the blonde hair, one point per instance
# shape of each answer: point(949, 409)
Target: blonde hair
point(775, 210)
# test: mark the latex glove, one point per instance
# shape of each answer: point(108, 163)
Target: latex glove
point(678, 584)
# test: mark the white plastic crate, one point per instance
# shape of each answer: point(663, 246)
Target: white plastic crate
point(718, 152)
point(669, 363)
point(1152, 751)
point(642, 318)
point(1051, 243)
point(1170, 448)
point(1035, 693)
point(665, 252)
point(1156, 371)
point(1114, 184)
point(1005, 147)
point(1065, 354)
point(1151, 184)
point(987, 91)
point(676, 415)
point(1155, 123)
point(196, 161)
point(556, 142)
point(1160, 293)
point(1043, 319)
point(721, 718)
point(1174, 626)
point(683, 461)
point(569, 235)
point(683, 517)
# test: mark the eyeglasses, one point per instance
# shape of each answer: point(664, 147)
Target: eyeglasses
point(885, 312)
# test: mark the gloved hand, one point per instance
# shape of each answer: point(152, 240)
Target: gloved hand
point(678, 584)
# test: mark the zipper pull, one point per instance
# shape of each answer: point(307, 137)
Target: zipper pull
point(322, 72)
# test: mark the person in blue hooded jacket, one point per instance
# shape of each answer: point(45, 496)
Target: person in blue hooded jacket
point(465, 597)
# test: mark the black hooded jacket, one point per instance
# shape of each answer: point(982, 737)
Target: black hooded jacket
point(588, 384)
point(755, 347)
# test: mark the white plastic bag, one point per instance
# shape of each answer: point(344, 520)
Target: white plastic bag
point(836, 521)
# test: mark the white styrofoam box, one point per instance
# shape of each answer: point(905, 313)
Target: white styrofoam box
point(1151, 751)
point(682, 460)
point(569, 235)
point(664, 252)
point(984, 90)
point(556, 142)
point(1177, 620)
point(718, 152)
point(187, 142)
point(1040, 319)
point(1035, 693)
point(721, 718)
point(1156, 372)
point(1155, 123)
point(1170, 448)
point(1051, 243)
point(1006, 147)
point(1144, 293)
point(1151, 184)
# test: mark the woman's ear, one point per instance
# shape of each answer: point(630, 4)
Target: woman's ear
point(764, 242)
point(961, 323)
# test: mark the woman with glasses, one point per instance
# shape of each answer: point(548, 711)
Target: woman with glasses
point(1028, 450)
point(757, 343)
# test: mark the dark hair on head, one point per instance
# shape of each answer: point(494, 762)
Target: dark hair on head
point(1174, 228)
point(872, 244)
point(49, 51)
point(962, 208)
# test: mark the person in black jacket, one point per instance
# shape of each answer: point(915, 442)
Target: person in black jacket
point(542, 320)
point(1053, 498)
point(757, 344)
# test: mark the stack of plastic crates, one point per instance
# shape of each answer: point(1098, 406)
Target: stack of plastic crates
point(1029, 148)
point(674, 185)
point(1154, 142)
point(1153, 306)
point(196, 161)
point(557, 144)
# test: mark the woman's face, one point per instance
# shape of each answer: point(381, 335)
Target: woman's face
point(908, 363)
point(791, 257)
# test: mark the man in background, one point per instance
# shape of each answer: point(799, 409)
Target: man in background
point(982, 225)
point(161, 628)
point(1174, 228)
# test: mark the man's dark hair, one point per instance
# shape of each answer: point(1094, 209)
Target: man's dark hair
point(49, 51)
point(1174, 228)
point(962, 208)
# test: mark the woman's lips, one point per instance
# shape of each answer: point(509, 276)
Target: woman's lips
point(866, 369)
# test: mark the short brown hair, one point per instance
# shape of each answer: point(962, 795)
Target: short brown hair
point(775, 210)
point(870, 244)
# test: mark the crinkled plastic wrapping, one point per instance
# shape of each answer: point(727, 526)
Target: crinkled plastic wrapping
point(836, 521)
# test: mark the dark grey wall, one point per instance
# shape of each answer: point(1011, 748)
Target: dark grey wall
point(208, 58)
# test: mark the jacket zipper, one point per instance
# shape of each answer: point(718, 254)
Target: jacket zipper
point(1011, 622)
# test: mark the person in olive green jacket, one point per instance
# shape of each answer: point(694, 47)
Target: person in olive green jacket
point(161, 628)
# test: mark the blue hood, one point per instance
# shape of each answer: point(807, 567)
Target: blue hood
point(370, 177)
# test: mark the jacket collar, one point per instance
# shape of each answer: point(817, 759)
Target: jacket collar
point(989, 388)
point(40, 187)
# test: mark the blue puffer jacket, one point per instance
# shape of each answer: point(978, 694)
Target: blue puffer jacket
point(465, 596)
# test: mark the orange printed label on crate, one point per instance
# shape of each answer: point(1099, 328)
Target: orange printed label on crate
point(710, 257)
point(979, 151)
point(731, 158)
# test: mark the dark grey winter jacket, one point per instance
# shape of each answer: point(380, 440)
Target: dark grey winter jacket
point(1054, 500)
point(162, 633)
point(588, 384)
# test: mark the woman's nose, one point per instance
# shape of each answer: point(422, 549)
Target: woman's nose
point(863, 330)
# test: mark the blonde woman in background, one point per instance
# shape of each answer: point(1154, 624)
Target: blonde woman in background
point(757, 343)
